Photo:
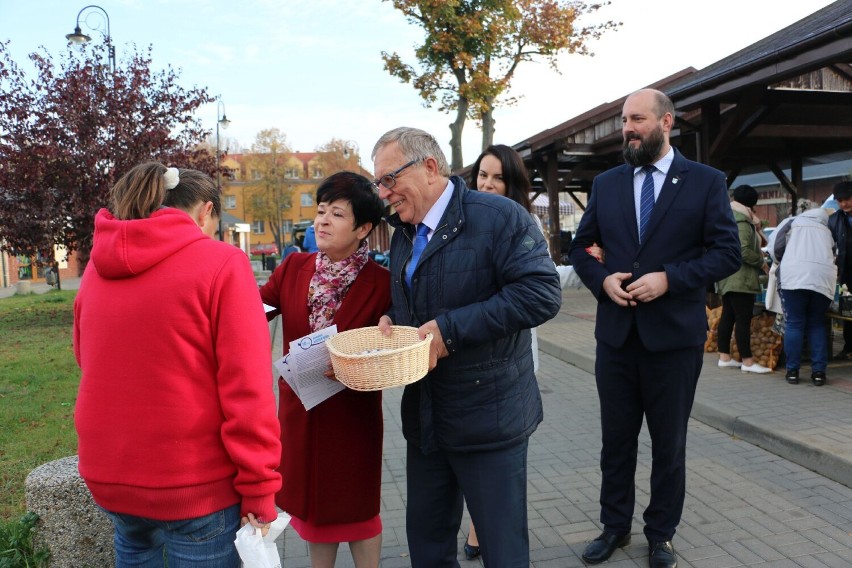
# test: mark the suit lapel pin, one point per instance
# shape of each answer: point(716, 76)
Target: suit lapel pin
point(675, 180)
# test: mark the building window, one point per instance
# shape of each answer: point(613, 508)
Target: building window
point(307, 200)
point(255, 175)
point(292, 173)
point(317, 172)
point(257, 227)
point(230, 202)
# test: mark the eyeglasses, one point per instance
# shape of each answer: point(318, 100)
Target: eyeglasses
point(389, 180)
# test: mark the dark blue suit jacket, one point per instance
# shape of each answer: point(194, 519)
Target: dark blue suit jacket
point(691, 236)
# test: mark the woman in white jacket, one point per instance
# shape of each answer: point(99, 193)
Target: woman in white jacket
point(807, 276)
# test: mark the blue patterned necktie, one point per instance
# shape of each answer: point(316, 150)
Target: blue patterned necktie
point(420, 241)
point(646, 200)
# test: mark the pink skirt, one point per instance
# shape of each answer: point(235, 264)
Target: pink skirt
point(343, 532)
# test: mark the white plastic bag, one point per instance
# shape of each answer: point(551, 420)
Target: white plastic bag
point(257, 551)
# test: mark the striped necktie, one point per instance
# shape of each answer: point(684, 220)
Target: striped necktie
point(646, 200)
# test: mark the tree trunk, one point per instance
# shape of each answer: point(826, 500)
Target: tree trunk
point(456, 128)
point(488, 126)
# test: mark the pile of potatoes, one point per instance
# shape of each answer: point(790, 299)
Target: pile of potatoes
point(766, 344)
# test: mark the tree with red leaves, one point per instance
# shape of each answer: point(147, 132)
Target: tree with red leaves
point(68, 134)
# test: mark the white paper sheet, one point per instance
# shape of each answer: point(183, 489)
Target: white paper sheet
point(305, 365)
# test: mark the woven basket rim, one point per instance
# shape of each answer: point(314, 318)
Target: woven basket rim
point(371, 329)
point(386, 368)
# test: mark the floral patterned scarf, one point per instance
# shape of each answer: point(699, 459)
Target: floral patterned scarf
point(330, 283)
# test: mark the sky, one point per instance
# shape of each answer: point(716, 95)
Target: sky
point(313, 68)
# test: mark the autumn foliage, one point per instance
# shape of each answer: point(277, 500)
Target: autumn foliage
point(69, 132)
point(472, 48)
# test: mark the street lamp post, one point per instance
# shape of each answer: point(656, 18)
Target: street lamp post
point(79, 37)
point(222, 119)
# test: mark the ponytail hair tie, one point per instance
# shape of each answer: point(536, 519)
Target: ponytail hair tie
point(171, 178)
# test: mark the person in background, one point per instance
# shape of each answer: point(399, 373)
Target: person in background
point(500, 170)
point(331, 459)
point(665, 223)
point(739, 289)
point(807, 275)
point(310, 242)
point(175, 415)
point(839, 224)
point(472, 269)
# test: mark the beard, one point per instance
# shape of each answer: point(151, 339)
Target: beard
point(647, 151)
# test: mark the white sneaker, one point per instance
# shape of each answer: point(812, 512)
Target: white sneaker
point(731, 363)
point(755, 368)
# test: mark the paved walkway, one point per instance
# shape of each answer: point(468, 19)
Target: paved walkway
point(769, 466)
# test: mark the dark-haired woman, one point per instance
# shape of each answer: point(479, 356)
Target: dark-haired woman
point(500, 169)
point(332, 454)
point(175, 414)
point(739, 289)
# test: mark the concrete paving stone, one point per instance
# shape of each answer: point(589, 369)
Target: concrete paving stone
point(838, 513)
point(756, 528)
point(742, 553)
point(548, 536)
point(784, 563)
point(805, 548)
point(700, 516)
point(833, 560)
point(828, 537)
point(833, 492)
point(722, 561)
point(840, 533)
point(763, 550)
point(689, 536)
point(811, 562)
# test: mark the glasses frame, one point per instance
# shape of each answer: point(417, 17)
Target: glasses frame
point(392, 176)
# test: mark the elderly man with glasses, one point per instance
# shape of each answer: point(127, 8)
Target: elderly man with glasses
point(472, 269)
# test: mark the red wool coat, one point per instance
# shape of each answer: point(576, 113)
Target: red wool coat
point(331, 455)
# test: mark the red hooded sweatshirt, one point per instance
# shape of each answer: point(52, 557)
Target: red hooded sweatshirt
point(175, 415)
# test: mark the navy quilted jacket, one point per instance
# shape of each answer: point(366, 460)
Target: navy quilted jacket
point(486, 278)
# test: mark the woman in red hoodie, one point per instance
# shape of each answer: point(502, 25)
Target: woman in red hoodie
point(178, 439)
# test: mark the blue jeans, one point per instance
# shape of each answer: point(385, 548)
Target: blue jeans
point(206, 541)
point(804, 311)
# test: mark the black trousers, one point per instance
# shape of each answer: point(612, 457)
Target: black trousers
point(737, 311)
point(494, 484)
point(634, 383)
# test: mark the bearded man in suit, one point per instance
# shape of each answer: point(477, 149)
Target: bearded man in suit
point(666, 226)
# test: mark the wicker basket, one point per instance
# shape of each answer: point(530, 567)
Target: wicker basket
point(400, 359)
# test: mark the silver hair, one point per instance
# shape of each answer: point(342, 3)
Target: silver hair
point(415, 144)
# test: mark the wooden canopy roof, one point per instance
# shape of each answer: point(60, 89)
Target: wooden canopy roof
point(779, 103)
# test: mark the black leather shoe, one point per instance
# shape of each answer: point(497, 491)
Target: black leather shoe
point(602, 547)
point(844, 354)
point(662, 555)
point(792, 376)
point(470, 551)
point(818, 378)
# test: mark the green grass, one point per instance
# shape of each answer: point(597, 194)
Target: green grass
point(16, 544)
point(38, 388)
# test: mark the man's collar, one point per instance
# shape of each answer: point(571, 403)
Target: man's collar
point(436, 212)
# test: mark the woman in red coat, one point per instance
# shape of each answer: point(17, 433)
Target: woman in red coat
point(331, 455)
